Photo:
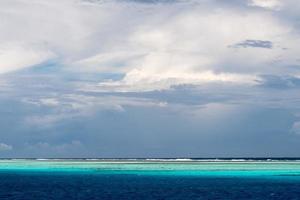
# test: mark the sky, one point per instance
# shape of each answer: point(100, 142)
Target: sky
point(149, 78)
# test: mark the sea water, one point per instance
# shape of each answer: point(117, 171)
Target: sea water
point(149, 179)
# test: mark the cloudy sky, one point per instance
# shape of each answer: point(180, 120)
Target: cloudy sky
point(149, 78)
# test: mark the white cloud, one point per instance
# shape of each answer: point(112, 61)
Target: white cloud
point(49, 101)
point(138, 80)
point(32, 32)
point(188, 48)
point(154, 45)
point(269, 4)
point(5, 147)
point(14, 57)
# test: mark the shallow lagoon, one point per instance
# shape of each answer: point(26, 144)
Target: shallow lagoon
point(145, 167)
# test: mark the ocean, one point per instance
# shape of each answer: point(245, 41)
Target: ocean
point(180, 179)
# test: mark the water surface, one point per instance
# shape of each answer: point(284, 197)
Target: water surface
point(149, 179)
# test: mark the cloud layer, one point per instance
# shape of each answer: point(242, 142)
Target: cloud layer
point(175, 42)
point(160, 78)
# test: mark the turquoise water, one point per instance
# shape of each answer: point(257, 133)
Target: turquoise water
point(193, 168)
point(149, 179)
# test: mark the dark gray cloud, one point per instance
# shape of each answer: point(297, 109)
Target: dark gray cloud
point(279, 82)
point(203, 120)
point(253, 44)
point(188, 94)
point(158, 132)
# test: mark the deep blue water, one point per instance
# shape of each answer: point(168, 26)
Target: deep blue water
point(147, 179)
point(54, 185)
